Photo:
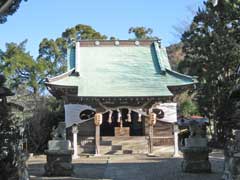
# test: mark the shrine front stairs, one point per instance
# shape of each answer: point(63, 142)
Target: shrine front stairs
point(112, 145)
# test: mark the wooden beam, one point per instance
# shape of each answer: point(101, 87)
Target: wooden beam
point(97, 122)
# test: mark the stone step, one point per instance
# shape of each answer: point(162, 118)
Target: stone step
point(106, 142)
point(116, 145)
point(125, 145)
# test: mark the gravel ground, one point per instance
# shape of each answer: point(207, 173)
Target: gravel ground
point(130, 167)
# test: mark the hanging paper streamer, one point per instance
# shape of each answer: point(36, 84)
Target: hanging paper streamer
point(110, 117)
point(129, 116)
point(119, 116)
point(139, 117)
point(215, 2)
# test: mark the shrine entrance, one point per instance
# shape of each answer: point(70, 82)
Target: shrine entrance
point(123, 128)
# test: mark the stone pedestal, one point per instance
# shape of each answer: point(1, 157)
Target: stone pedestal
point(196, 160)
point(233, 172)
point(195, 152)
point(59, 163)
point(59, 158)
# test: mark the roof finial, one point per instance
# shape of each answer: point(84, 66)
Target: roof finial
point(159, 42)
point(78, 36)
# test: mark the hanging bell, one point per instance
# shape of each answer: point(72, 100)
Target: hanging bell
point(110, 117)
point(129, 116)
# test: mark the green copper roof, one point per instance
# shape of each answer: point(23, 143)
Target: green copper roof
point(122, 71)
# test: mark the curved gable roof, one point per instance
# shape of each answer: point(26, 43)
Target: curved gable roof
point(122, 70)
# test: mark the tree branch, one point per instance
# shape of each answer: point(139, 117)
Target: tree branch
point(5, 7)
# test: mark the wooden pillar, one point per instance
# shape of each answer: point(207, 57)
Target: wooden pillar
point(151, 121)
point(98, 122)
point(75, 148)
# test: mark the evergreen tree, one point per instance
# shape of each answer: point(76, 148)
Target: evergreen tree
point(212, 47)
point(141, 32)
point(21, 68)
point(11, 133)
point(8, 7)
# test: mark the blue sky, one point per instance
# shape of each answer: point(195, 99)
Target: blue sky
point(37, 19)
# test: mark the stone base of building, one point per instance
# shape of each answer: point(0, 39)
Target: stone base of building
point(196, 160)
point(59, 163)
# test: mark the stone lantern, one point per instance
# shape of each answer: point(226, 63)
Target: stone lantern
point(196, 151)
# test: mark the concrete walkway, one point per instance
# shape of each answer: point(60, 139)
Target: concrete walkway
point(129, 167)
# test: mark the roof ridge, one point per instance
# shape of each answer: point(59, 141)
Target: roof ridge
point(109, 40)
point(162, 57)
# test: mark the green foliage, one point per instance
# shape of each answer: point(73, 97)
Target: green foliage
point(45, 113)
point(82, 32)
point(188, 108)
point(11, 122)
point(141, 32)
point(20, 67)
point(8, 7)
point(52, 54)
point(187, 104)
point(212, 47)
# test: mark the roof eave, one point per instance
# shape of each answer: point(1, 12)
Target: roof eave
point(61, 76)
point(191, 79)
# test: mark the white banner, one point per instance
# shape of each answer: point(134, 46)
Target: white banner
point(169, 110)
point(72, 113)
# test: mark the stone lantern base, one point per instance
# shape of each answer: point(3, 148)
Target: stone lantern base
point(59, 158)
point(59, 163)
point(196, 160)
point(233, 168)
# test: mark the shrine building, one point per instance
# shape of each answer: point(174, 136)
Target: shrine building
point(119, 90)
